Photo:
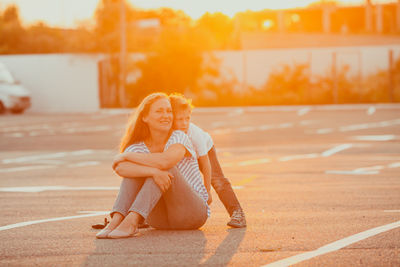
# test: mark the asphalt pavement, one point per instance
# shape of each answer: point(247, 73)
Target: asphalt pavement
point(320, 186)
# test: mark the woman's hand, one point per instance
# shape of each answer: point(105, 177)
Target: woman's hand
point(163, 179)
point(118, 159)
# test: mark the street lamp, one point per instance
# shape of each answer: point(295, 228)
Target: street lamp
point(122, 55)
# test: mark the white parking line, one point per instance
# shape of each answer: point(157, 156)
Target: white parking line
point(81, 152)
point(303, 156)
point(306, 122)
point(218, 124)
point(221, 131)
point(334, 246)
point(22, 224)
point(371, 125)
point(365, 170)
point(254, 162)
point(363, 126)
point(371, 110)
point(25, 128)
point(49, 161)
point(84, 164)
point(372, 168)
point(245, 129)
point(264, 127)
point(15, 135)
point(326, 153)
point(353, 172)
point(27, 168)
point(324, 131)
point(386, 137)
point(303, 111)
point(236, 112)
point(335, 150)
point(99, 128)
point(38, 189)
point(34, 157)
point(47, 156)
point(285, 125)
point(394, 165)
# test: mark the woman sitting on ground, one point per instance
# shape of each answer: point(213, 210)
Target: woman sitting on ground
point(161, 181)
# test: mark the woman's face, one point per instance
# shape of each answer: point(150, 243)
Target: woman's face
point(160, 116)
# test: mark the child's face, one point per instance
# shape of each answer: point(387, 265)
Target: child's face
point(182, 120)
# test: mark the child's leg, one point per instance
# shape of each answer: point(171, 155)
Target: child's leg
point(222, 185)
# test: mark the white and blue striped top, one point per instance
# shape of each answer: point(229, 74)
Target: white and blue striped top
point(188, 166)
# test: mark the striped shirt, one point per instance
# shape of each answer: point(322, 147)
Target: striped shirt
point(188, 166)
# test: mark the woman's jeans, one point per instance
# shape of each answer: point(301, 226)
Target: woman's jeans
point(221, 185)
point(180, 207)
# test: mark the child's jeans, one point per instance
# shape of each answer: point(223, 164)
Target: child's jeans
point(221, 184)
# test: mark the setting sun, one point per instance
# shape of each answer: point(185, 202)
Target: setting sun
point(72, 12)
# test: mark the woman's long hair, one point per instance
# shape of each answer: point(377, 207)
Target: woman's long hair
point(137, 130)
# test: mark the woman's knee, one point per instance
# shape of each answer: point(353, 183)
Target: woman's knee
point(188, 221)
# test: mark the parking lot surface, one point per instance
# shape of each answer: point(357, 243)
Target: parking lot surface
point(320, 186)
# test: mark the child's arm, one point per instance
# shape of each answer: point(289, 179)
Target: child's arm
point(205, 168)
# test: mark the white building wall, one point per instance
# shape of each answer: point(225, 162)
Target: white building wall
point(254, 66)
point(58, 82)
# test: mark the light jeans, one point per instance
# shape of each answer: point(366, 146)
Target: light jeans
point(222, 185)
point(179, 208)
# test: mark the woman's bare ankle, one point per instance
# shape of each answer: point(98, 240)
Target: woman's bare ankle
point(130, 223)
point(115, 221)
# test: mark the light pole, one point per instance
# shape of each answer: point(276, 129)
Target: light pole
point(398, 16)
point(368, 16)
point(122, 55)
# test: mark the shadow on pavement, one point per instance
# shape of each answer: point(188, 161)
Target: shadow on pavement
point(152, 248)
point(228, 247)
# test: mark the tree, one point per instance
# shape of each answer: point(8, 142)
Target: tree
point(11, 32)
point(175, 64)
point(219, 27)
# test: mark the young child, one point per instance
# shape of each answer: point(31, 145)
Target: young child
point(207, 159)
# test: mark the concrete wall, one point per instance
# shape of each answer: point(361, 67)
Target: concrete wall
point(254, 66)
point(58, 82)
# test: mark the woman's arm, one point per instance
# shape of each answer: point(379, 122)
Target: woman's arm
point(205, 168)
point(131, 170)
point(163, 161)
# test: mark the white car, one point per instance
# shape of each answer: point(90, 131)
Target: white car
point(13, 96)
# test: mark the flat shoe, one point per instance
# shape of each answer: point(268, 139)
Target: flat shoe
point(103, 234)
point(116, 234)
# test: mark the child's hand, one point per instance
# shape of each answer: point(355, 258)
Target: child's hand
point(209, 198)
point(118, 159)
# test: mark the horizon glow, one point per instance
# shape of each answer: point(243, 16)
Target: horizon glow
point(72, 13)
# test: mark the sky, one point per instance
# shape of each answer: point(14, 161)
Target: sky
point(70, 13)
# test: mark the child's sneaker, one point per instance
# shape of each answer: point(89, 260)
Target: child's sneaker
point(238, 220)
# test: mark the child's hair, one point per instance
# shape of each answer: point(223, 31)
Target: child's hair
point(180, 103)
